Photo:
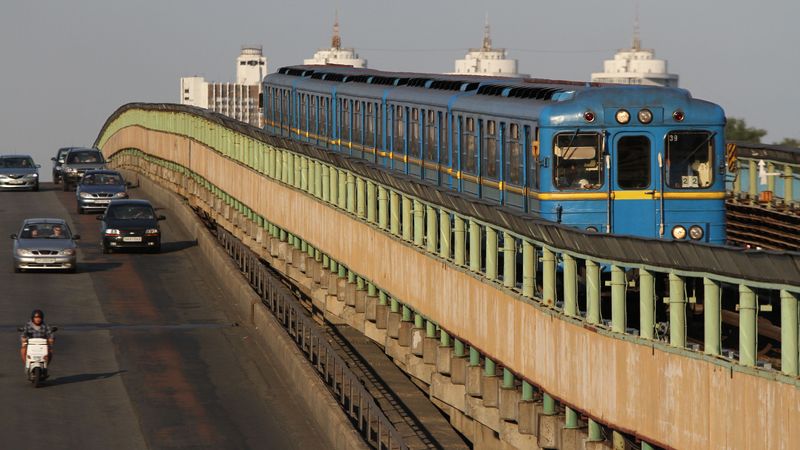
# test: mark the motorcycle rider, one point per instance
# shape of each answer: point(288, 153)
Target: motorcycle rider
point(36, 328)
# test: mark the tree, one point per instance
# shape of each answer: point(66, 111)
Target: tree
point(789, 142)
point(737, 130)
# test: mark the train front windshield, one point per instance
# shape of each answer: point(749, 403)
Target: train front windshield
point(690, 159)
point(578, 161)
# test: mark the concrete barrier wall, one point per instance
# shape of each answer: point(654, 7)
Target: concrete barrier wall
point(281, 350)
point(665, 396)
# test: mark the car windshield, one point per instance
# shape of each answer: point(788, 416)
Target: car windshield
point(45, 231)
point(131, 212)
point(62, 153)
point(87, 157)
point(102, 178)
point(21, 162)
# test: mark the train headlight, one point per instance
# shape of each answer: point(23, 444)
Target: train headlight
point(679, 232)
point(623, 116)
point(591, 228)
point(678, 115)
point(645, 116)
point(696, 232)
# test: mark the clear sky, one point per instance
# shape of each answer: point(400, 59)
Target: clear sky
point(68, 64)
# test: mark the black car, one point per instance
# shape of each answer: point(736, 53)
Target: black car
point(130, 224)
point(58, 161)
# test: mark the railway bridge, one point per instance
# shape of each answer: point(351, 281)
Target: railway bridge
point(526, 334)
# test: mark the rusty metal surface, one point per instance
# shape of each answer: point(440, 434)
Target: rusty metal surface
point(672, 398)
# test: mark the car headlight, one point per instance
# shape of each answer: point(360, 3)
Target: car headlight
point(3, 177)
point(24, 252)
point(121, 195)
point(67, 252)
point(112, 232)
point(85, 195)
point(151, 231)
point(32, 175)
point(679, 232)
point(70, 169)
point(696, 232)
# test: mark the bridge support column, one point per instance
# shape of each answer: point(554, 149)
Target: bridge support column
point(571, 420)
point(711, 317)
point(383, 208)
point(298, 171)
point(445, 236)
point(317, 179)
point(361, 198)
point(491, 253)
point(748, 329)
point(618, 313)
point(326, 183)
point(509, 261)
point(350, 200)
point(342, 200)
point(549, 274)
point(304, 173)
point(677, 312)
point(592, 292)
point(372, 216)
point(333, 188)
point(595, 432)
point(789, 333)
point(752, 189)
point(432, 234)
point(394, 219)
point(419, 223)
point(407, 219)
point(647, 304)
point(460, 235)
point(528, 269)
point(570, 286)
point(474, 246)
point(788, 184)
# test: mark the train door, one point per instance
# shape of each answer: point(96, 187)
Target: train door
point(634, 203)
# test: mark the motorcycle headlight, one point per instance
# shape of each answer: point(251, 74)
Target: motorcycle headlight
point(85, 195)
point(24, 252)
point(67, 252)
point(679, 232)
point(696, 232)
point(121, 195)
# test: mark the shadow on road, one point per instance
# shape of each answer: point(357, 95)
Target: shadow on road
point(69, 379)
point(92, 267)
point(176, 246)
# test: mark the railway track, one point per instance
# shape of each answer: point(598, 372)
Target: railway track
point(755, 225)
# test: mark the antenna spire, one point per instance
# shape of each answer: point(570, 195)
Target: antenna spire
point(487, 39)
point(336, 40)
point(637, 41)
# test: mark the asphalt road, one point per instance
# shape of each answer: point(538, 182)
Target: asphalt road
point(145, 355)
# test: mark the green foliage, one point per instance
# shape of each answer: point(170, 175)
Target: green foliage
point(737, 130)
point(789, 142)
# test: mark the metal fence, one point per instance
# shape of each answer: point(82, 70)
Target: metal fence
point(359, 405)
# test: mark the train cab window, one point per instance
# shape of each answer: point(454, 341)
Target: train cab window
point(469, 151)
point(490, 151)
point(577, 161)
point(690, 159)
point(513, 160)
point(633, 162)
point(430, 135)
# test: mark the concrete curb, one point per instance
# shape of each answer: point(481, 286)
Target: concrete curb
point(247, 306)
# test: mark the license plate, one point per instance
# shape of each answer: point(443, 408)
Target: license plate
point(131, 239)
point(46, 260)
point(16, 182)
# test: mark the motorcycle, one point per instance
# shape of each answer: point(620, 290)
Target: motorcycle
point(36, 359)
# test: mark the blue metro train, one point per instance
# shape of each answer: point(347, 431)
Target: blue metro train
point(633, 160)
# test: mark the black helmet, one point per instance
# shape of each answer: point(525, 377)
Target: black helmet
point(37, 312)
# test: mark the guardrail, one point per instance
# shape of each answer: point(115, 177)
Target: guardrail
point(491, 245)
point(357, 402)
point(766, 174)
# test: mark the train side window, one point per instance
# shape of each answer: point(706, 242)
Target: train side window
point(399, 129)
point(344, 120)
point(430, 135)
point(302, 112)
point(577, 161)
point(469, 151)
point(413, 133)
point(513, 150)
point(379, 125)
point(489, 151)
point(633, 162)
point(369, 124)
point(357, 118)
point(444, 156)
point(690, 159)
point(312, 114)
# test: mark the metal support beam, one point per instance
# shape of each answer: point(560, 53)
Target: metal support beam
point(570, 286)
point(527, 391)
point(419, 223)
point(748, 316)
point(458, 348)
point(445, 235)
point(342, 201)
point(419, 321)
point(460, 235)
point(489, 367)
point(789, 333)
point(408, 219)
point(592, 292)
point(595, 432)
point(431, 231)
point(712, 309)
point(528, 269)
point(394, 217)
point(491, 253)
point(549, 274)
point(361, 198)
point(372, 204)
point(509, 261)
point(351, 193)
point(571, 418)
point(677, 312)
point(788, 184)
point(430, 329)
point(474, 356)
point(383, 208)
point(508, 379)
point(474, 246)
point(618, 310)
point(444, 339)
point(548, 404)
point(406, 314)
point(304, 173)
point(647, 304)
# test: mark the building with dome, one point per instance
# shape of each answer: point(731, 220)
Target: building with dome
point(336, 54)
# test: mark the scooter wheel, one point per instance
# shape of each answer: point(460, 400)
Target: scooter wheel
point(37, 377)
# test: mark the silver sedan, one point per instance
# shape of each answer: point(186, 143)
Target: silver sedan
point(45, 244)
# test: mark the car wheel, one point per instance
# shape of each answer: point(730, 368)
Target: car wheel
point(79, 209)
point(17, 270)
point(36, 187)
point(56, 179)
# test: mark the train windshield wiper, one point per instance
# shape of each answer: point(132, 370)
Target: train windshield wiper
point(705, 141)
point(566, 153)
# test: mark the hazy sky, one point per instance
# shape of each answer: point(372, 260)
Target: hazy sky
point(67, 65)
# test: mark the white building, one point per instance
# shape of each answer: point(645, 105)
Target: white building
point(240, 100)
point(336, 54)
point(487, 60)
point(636, 65)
